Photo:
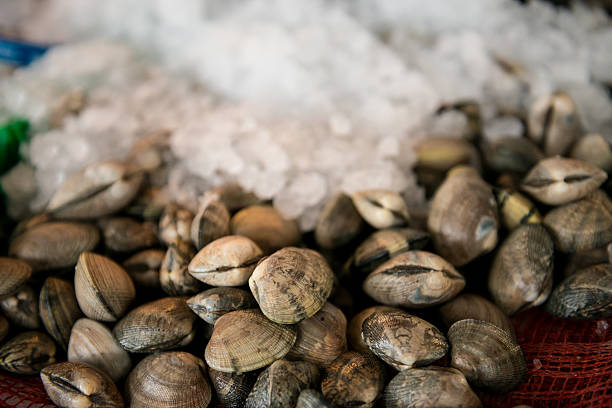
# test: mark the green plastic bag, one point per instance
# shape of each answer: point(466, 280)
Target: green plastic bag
point(12, 134)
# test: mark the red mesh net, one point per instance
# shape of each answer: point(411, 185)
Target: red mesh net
point(570, 365)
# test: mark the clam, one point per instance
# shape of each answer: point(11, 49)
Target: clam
point(320, 338)
point(292, 284)
point(103, 289)
point(210, 223)
point(463, 217)
point(156, 326)
point(311, 399)
point(174, 276)
point(232, 389)
point(214, 303)
point(123, 234)
point(488, 356)
point(227, 261)
point(246, 340)
point(402, 340)
point(512, 154)
point(522, 271)
point(93, 343)
point(170, 379)
point(175, 225)
point(583, 259)
point(585, 295)
point(149, 204)
point(354, 327)
point(21, 308)
point(280, 384)
point(516, 209)
point(595, 149)
point(471, 306)
point(414, 279)
point(144, 266)
point(266, 227)
point(441, 153)
point(13, 275)
point(95, 191)
point(234, 196)
point(582, 225)
point(58, 309)
point(54, 245)
point(27, 353)
point(4, 327)
point(354, 380)
point(338, 223)
point(70, 384)
point(435, 387)
point(381, 208)
point(558, 180)
point(28, 223)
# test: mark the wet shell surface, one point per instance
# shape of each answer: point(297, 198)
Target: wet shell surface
point(402, 340)
point(27, 353)
point(70, 384)
point(54, 245)
point(266, 227)
point(214, 303)
point(163, 324)
point(585, 295)
point(175, 225)
point(414, 279)
point(522, 271)
point(170, 379)
point(93, 343)
point(292, 284)
point(58, 309)
point(232, 389)
point(312, 399)
point(103, 289)
point(174, 276)
point(21, 308)
point(210, 223)
point(381, 208)
point(280, 384)
point(144, 266)
point(246, 340)
point(515, 209)
point(354, 327)
point(227, 261)
point(338, 223)
point(435, 387)
point(14, 273)
point(488, 356)
point(123, 234)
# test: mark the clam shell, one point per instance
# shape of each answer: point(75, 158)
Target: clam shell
point(463, 217)
point(487, 355)
point(354, 327)
point(381, 208)
point(174, 276)
point(234, 196)
point(441, 153)
point(595, 149)
point(13, 275)
point(4, 327)
point(516, 209)
point(291, 285)
point(27, 353)
point(213, 303)
point(103, 289)
point(93, 343)
point(170, 379)
point(354, 379)
point(21, 308)
point(266, 227)
point(175, 225)
point(471, 306)
point(583, 259)
point(123, 234)
point(58, 309)
point(511, 154)
point(402, 340)
point(227, 261)
point(71, 385)
point(338, 223)
point(210, 223)
point(28, 223)
point(159, 325)
point(414, 279)
point(232, 389)
point(435, 387)
point(522, 271)
point(557, 180)
point(246, 340)
point(320, 338)
point(585, 295)
point(54, 245)
point(144, 266)
point(312, 399)
point(149, 204)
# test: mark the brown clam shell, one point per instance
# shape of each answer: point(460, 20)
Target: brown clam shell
point(512, 155)
point(21, 308)
point(338, 223)
point(354, 327)
point(312, 399)
point(27, 353)
point(143, 267)
point(515, 209)
point(583, 259)
point(58, 309)
point(213, 303)
point(595, 149)
point(210, 223)
point(266, 227)
point(14, 273)
point(175, 225)
point(234, 196)
point(123, 234)
point(174, 276)
point(381, 208)
point(232, 389)
point(442, 153)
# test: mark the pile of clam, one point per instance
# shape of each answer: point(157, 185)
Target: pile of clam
point(151, 305)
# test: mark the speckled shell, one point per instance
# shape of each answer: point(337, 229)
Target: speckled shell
point(354, 379)
point(53, 245)
point(582, 225)
point(227, 261)
point(13, 275)
point(58, 309)
point(93, 343)
point(321, 338)
point(585, 295)
point(471, 306)
point(21, 308)
point(280, 384)
point(463, 217)
point(381, 208)
point(515, 209)
point(312, 399)
point(402, 340)
point(175, 225)
point(414, 279)
point(292, 284)
point(163, 324)
point(488, 356)
point(214, 303)
point(338, 223)
point(170, 379)
point(522, 271)
point(72, 385)
point(595, 149)
point(354, 327)
point(266, 227)
point(174, 276)
point(246, 340)
point(123, 234)
point(27, 353)
point(512, 154)
point(103, 289)
point(144, 266)
point(558, 180)
point(430, 387)
point(232, 389)
point(210, 223)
